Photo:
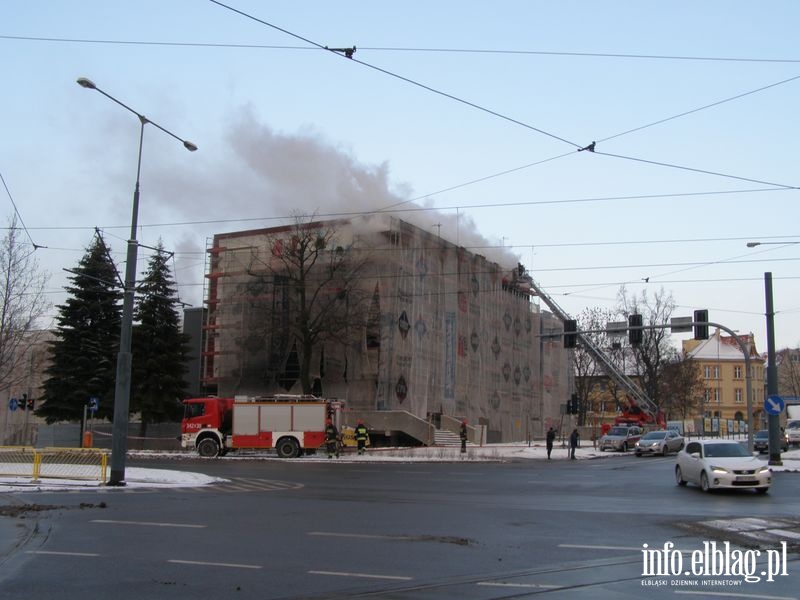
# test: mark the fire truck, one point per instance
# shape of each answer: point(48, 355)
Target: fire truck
point(289, 424)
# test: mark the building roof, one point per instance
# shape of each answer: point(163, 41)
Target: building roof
point(719, 347)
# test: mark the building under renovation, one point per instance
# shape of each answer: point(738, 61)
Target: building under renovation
point(434, 330)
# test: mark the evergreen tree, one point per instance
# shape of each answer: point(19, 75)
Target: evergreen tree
point(159, 346)
point(84, 351)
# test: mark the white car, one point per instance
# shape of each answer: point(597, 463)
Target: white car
point(792, 432)
point(721, 464)
point(660, 442)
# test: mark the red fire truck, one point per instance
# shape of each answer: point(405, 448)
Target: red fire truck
point(290, 424)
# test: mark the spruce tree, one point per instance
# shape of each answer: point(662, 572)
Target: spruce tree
point(159, 346)
point(84, 351)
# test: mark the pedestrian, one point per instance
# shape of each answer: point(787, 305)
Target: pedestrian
point(361, 436)
point(551, 437)
point(463, 436)
point(573, 442)
point(331, 438)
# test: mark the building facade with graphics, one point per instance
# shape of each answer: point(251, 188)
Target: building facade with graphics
point(442, 331)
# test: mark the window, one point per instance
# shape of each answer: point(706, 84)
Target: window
point(706, 396)
point(707, 372)
point(737, 372)
point(194, 409)
point(717, 396)
point(716, 372)
point(739, 395)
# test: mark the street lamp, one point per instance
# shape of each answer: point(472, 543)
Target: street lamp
point(122, 389)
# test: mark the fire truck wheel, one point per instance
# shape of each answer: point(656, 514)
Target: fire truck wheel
point(288, 448)
point(208, 448)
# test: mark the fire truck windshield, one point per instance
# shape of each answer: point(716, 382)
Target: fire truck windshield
point(194, 409)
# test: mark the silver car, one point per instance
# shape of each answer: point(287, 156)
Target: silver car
point(792, 432)
point(660, 442)
point(620, 437)
point(721, 464)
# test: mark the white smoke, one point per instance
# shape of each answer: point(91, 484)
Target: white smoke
point(263, 178)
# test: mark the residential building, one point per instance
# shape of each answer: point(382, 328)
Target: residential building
point(722, 364)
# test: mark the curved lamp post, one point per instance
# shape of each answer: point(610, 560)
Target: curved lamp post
point(122, 389)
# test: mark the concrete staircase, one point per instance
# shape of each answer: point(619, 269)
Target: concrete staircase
point(443, 437)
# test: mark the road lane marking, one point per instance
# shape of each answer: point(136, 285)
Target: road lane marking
point(363, 575)
point(147, 523)
point(364, 536)
point(55, 553)
point(443, 539)
point(637, 548)
point(518, 585)
point(213, 564)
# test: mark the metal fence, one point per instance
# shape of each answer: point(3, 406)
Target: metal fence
point(54, 463)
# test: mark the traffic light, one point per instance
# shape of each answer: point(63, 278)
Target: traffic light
point(701, 331)
point(572, 405)
point(635, 332)
point(30, 403)
point(570, 333)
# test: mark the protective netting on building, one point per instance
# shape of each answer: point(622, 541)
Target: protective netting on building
point(444, 331)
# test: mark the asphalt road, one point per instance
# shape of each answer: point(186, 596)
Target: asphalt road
point(471, 530)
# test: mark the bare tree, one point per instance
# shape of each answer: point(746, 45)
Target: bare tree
point(22, 303)
point(788, 362)
point(682, 386)
point(588, 372)
point(652, 354)
point(311, 274)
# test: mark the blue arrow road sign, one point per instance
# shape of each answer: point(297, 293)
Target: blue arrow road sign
point(93, 404)
point(774, 405)
point(12, 404)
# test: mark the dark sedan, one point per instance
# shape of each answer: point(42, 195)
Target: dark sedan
point(761, 441)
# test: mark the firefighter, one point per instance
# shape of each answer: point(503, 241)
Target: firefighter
point(331, 438)
point(361, 436)
point(463, 436)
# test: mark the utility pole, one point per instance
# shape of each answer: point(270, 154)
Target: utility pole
point(773, 421)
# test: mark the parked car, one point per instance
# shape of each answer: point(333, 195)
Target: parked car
point(792, 432)
point(660, 442)
point(761, 441)
point(721, 464)
point(620, 437)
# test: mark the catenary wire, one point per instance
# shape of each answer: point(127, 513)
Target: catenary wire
point(19, 216)
point(400, 77)
point(500, 51)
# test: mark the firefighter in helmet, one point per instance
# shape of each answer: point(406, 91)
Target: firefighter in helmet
point(331, 438)
point(361, 436)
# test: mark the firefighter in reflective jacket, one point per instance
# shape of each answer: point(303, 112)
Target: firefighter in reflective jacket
point(331, 439)
point(361, 436)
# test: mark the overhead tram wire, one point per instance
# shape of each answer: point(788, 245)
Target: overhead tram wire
point(321, 47)
point(347, 214)
point(19, 216)
point(611, 137)
point(703, 171)
point(400, 77)
point(689, 112)
point(500, 51)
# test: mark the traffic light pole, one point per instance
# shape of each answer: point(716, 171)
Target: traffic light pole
point(773, 421)
point(747, 368)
